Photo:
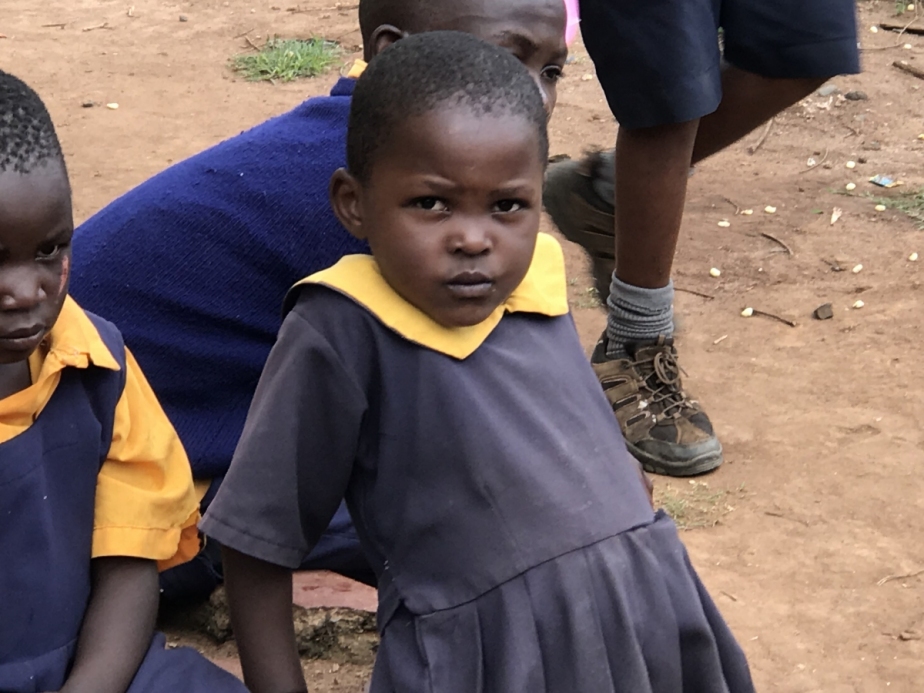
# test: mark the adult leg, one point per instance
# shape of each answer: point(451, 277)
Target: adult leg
point(636, 361)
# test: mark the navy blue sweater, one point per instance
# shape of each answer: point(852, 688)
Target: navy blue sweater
point(193, 265)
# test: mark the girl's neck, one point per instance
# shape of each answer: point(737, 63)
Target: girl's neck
point(14, 377)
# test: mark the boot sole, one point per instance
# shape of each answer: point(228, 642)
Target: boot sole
point(697, 466)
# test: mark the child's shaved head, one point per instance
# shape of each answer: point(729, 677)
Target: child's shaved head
point(27, 135)
point(434, 70)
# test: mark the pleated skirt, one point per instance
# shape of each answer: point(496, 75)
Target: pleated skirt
point(625, 615)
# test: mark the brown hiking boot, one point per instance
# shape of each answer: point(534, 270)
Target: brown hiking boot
point(582, 216)
point(665, 430)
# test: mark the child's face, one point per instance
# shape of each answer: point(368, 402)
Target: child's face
point(533, 30)
point(451, 210)
point(35, 250)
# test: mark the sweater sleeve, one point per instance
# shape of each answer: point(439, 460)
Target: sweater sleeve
point(294, 460)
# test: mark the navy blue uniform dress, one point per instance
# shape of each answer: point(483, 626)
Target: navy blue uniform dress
point(48, 478)
point(514, 543)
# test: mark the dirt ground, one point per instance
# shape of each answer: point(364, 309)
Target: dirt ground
point(809, 536)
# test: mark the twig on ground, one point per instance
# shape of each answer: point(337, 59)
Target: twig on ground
point(774, 317)
point(824, 158)
point(737, 208)
point(907, 29)
point(104, 25)
point(763, 138)
point(57, 25)
point(908, 576)
point(900, 34)
point(694, 292)
point(781, 515)
point(251, 43)
point(720, 340)
point(244, 34)
point(778, 242)
point(910, 69)
point(855, 133)
point(729, 595)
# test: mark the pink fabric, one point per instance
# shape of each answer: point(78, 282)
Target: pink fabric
point(574, 19)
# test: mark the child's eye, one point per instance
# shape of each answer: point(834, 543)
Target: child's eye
point(431, 204)
point(51, 251)
point(508, 206)
point(553, 73)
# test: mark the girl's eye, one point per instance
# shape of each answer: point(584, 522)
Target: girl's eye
point(431, 204)
point(51, 252)
point(553, 73)
point(508, 206)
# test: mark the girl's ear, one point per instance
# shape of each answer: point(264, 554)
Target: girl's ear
point(346, 200)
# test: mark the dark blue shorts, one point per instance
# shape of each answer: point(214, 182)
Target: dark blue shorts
point(659, 60)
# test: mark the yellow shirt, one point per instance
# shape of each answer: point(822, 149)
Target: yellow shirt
point(146, 505)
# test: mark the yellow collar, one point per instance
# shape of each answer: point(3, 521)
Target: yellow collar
point(542, 291)
point(358, 68)
point(73, 342)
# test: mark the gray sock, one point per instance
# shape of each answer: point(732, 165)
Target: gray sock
point(637, 315)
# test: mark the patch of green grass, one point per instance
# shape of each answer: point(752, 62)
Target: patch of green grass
point(911, 203)
point(695, 506)
point(287, 59)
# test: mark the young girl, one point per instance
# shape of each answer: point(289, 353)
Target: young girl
point(95, 489)
point(442, 387)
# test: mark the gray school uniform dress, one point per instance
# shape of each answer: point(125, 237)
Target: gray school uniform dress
point(492, 491)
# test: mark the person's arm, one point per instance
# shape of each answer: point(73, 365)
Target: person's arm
point(118, 626)
point(260, 600)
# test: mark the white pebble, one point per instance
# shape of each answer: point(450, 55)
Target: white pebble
point(907, 46)
point(880, 208)
point(112, 106)
point(725, 223)
point(874, 29)
point(910, 7)
point(858, 305)
point(749, 212)
point(857, 269)
point(770, 210)
point(715, 272)
point(850, 186)
point(747, 312)
point(851, 164)
point(913, 257)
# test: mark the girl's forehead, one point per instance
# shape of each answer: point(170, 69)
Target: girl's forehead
point(33, 203)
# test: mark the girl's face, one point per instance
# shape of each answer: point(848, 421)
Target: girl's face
point(451, 210)
point(36, 225)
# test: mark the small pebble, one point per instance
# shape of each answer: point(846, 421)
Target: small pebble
point(851, 164)
point(880, 208)
point(724, 223)
point(910, 7)
point(828, 90)
point(747, 312)
point(856, 96)
point(824, 312)
point(921, 136)
point(715, 272)
point(874, 29)
point(850, 186)
point(858, 305)
point(112, 106)
point(913, 257)
point(857, 269)
point(749, 212)
point(184, 18)
point(770, 210)
point(907, 46)
point(587, 78)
